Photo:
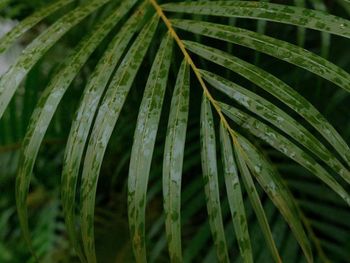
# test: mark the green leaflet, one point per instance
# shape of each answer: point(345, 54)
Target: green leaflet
point(106, 119)
point(47, 106)
point(10, 81)
point(280, 232)
point(271, 46)
point(256, 203)
point(209, 255)
point(257, 239)
point(277, 191)
point(301, 30)
point(201, 237)
point(210, 175)
point(327, 211)
point(345, 4)
point(7, 40)
point(291, 249)
point(191, 207)
point(325, 37)
point(277, 88)
point(100, 77)
point(235, 198)
point(267, 11)
point(143, 145)
point(261, 29)
point(277, 117)
point(173, 160)
point(285, 146)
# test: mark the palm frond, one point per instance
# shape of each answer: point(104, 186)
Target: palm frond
point(130, 45)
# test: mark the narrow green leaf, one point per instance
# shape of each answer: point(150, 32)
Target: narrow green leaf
point(277, 117)
point(325, 37)
point(110, 58)
point(301, 30)
point(46, 108)
point(210, 175)
point(192, 205)
point(271, 46)
point(277, 88)
point(173, 161)
point(235, 198)
point(280, 232)
point(198, 241)
point(10, 81)
point(345, 4)
point(261, 29)
point(284, 145)
point(209, 255)
point(143, 145)
point(278, 192)
point(256, 203)
point(7, 40)
point(257, 239)
point(290, 249)
point(106, 119)
point(267, 11)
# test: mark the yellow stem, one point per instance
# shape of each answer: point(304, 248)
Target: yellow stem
point(200, 78)
point(194, 68)
point(216, 105)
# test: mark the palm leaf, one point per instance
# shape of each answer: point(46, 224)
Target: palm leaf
point(256, 203)
point(277, 88)
point(48, 104)
point(123, 38)
point(209, 166)
point(93, 92)
point(271, 46)
point(278, 118)
point(277, 191)
point(235, 198)
point(266, 11)
point(12, 78)
point(144, 140)
point(26, 24)
point(173, 159)
point(287, 147)
point(103, 127)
